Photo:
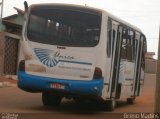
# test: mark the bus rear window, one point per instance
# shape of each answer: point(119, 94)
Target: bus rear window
point(64, 27)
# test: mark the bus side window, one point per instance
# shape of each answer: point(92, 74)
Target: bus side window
point(130, 39)
point(109, 37)
point(143, 52)
point(133, 46)
point(124, 43)
point(113, 39)
point(137, 39)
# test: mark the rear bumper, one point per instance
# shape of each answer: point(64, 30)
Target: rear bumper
point(32, 83)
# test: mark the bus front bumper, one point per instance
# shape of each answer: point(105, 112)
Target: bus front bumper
point(32, 83)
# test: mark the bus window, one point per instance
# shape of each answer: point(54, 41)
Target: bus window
point(35, 27)
point(64, 27)
point(124, 43)
point(109, 32)
point(133, 45)
point(130, 50)
point(145, 45)
point(113, 39)
point(143, 52)
point(135, 48)
point(137, 39)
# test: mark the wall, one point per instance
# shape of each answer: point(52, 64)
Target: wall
point(150, 66)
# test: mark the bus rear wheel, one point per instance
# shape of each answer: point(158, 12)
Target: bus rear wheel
point(51, 100)
point(108, 105)
point(130, 100)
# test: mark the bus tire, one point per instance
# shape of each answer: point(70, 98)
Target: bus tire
point(78, 100)
point(55, 100)
point(51, 100)
point(130, 100)
point(45, 99)
point(109, 105)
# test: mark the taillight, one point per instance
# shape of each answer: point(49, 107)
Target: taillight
point(97, 73)
point(22, 65)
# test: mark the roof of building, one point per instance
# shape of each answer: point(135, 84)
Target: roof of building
point(150, 53)
point(19, 10)
point(14, 20)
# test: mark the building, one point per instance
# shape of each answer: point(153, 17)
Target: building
point(149, 55)
point(150, 62)
point(9, 43)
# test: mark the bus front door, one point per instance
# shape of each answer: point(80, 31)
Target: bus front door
point(138, 62)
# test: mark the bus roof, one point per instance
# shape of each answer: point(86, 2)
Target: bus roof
point(68, 6)
point(123, 22)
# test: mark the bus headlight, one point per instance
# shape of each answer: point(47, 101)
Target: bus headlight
point(35, 68)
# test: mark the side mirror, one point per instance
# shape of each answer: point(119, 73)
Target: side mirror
point(26, 6)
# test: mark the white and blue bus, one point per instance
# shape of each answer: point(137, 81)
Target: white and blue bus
point(81, 53)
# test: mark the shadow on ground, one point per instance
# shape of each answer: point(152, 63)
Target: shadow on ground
point(70, 107)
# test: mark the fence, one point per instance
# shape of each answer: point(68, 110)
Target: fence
point(9, 50)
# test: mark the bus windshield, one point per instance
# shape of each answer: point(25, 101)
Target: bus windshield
point(64, 27)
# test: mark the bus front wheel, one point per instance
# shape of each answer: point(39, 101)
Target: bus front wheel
point(50, 100)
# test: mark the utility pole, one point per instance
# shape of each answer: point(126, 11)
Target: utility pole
point(1, 15)
point(157, 94)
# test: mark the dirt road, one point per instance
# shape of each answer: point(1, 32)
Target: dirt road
point(14, 100)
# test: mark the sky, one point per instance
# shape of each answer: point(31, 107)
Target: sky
point(145, 14)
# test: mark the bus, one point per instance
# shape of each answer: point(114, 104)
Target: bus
point(81, 53)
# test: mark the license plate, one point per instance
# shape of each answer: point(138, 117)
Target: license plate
point(57, 86)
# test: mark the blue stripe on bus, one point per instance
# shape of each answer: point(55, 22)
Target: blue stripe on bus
point(33, 83)
point(76, 62)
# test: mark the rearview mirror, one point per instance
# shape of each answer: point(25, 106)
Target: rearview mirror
point(25, 6)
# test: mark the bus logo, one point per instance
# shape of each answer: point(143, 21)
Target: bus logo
point(51, 58)
point(47, 57)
